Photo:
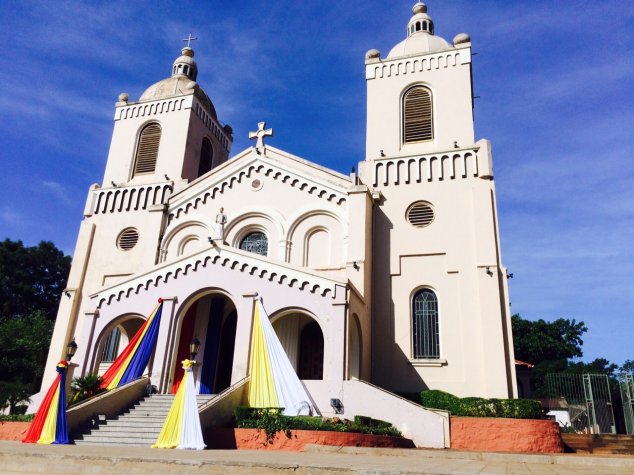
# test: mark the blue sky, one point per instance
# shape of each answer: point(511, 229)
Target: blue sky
point(555, 86)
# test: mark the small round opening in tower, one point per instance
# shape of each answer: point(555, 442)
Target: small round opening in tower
point(127, 239)
point(420, 214)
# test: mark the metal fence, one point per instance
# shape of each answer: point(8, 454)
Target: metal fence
point(627, 395)
point(583, 402)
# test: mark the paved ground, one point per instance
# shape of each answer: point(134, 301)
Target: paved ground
point(17, 458)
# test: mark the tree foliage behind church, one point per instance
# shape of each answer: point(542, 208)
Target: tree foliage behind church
point(31, 282)
point(31, 278)
point(551, 346)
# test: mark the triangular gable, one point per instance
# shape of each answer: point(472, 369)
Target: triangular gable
point(286, 168)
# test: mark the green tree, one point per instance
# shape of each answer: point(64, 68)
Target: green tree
point(537, 341)
point(31, 278)
point(24, 345)
point(627, 367)
point(548, 346)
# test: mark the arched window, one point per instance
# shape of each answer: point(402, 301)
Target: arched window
point(206, 157)
point(147, 150)
point(417, 115)
point(256, 242)
point(111, 346)
point(426, 340)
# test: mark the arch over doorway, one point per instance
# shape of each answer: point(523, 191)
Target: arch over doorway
point(303, 340)
point(212, 318)
point(114, 338)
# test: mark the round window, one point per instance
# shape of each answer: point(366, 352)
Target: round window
point(420, 214)
point(127, 239)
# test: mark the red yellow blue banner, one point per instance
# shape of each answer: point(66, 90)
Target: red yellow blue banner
point(49, 425)
point(131, 363)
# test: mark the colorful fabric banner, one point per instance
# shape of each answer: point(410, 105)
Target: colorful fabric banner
point(49, 425)
point(130, 364)
point(181, 429)
point(273, 381)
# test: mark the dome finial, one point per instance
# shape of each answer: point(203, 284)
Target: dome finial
point(185, 65)
point(420, 7)
point(420, 21)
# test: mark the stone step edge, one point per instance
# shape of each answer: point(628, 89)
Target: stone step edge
point(554, 459)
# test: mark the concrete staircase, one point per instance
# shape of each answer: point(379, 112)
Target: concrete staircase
point(139, 425)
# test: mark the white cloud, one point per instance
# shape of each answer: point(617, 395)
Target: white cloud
point(58, 190)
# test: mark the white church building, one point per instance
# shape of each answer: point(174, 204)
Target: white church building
point(391, 276)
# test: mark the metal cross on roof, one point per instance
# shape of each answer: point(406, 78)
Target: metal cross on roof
point(189, 39)
point(259, 135)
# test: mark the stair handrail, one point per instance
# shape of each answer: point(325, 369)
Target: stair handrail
point(222, 393)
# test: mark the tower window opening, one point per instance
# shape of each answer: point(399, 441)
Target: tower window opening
point(147, 149)
point(424, 26)
point(186, 70)
point(411, 29)
point(418, 123)
point(417, 26)
point(206, 157)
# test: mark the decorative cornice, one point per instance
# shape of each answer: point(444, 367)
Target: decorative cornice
point(184, 203)
point(417, 63)
point(450, 165)
point(127, 198)
point(234, 259)
point(142, 109)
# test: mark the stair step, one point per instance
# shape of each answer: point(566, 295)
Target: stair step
point(128, 423)
point(138, 425)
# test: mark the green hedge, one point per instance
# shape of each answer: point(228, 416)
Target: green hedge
point(16, 417)
point(271, 420)
point(480, 407)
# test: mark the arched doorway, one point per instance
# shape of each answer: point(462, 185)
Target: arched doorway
point(212, 319)
point(303, 341)
point(114, 339)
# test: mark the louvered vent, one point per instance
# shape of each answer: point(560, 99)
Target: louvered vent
point(128, 239)
point(417, 115)
point(147, 151)
point(420, 215)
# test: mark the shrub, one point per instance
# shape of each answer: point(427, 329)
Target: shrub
point(480, 407)
point(16, 417)
point(436, 399)
point(84, 387)
point(271, 421)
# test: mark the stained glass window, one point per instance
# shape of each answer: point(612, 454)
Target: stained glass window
point(256, 242)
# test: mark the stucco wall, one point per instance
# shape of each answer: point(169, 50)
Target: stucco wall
point(505, 435)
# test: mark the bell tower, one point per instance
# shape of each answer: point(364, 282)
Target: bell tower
point(441, 318)
point(420, 95)
point(172, 131)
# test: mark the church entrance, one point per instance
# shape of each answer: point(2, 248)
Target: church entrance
point(303, 341)
point(212, 319)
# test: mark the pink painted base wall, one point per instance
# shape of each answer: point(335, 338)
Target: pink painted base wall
point(13, 430)
point(253, 439)
point(505, 435)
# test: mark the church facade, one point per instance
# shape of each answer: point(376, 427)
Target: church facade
point(392, 275)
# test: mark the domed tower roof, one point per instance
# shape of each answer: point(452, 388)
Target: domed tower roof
point(181, 83)
point(420, 35)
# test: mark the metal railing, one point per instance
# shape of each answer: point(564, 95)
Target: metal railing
point(586, 399)
point(626, 384)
